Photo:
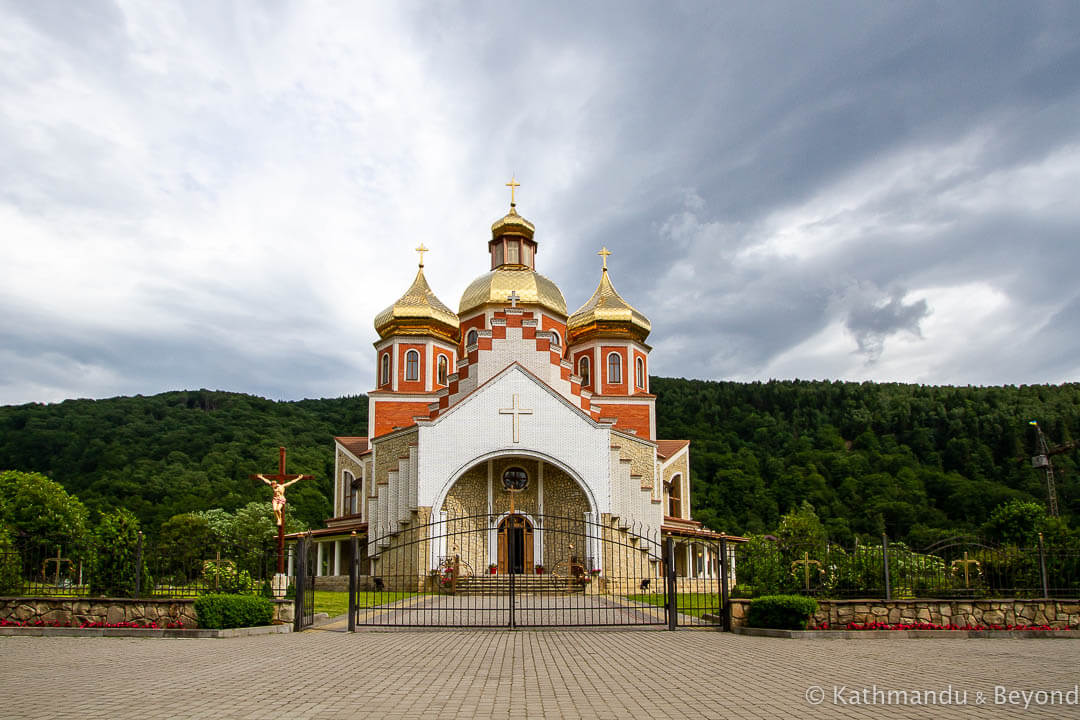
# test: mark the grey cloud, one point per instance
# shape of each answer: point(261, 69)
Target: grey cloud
point(872, 323)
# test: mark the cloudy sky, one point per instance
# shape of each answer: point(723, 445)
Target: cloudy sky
point(223, 195)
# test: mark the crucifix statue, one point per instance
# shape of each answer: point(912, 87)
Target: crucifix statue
point(278, 483)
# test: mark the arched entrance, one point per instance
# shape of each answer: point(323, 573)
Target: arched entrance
point(515, 538)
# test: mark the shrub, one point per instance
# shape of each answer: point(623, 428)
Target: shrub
point(10, 578)
point(786, 612)
point(218, 612)
point(223, 577)
point(117, 550)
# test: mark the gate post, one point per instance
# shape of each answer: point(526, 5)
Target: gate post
point(298, 584)
point(672, 603)
point(725, 605)
point(354, 559)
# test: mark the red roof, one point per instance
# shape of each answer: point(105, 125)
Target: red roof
point(356, 445)
point(667, 448)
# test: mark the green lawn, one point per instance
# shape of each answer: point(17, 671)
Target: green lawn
point(696, 604)
point(337, 603)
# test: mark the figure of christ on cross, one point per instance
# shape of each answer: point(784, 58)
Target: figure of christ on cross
point(278, 483)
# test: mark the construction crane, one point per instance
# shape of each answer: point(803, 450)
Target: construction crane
point(1041, 460)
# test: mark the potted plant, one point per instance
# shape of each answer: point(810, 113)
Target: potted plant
point(539, 569)
point(493, 569)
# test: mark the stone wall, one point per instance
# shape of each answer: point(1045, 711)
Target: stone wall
point(114, 610)
point(1058, 614)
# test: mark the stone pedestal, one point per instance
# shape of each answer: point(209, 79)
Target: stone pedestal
point(279, 585)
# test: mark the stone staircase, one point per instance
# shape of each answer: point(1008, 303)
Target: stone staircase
point(523, 585)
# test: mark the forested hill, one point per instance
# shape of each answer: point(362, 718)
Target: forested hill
point(906, 459)
point(181, 451)
point(870, 457)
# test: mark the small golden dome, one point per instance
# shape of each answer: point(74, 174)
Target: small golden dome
point(512, 224)
point(494, 287)
point(607, 314)
point(418, 312)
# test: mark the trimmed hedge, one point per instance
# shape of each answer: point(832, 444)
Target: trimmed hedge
point(218, 612)
point(784, 612)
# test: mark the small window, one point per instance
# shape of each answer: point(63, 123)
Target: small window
point(674, 497)
point(357, 493)
point(348, 499)
point(526, 254)
point(515, 479)
point(384, 369)
point(442, 369)
point(412, 365)
point(639, 372)
point(583, 371)
point(498, 255)
point(614, 369)
point(556, 341)
point(512, 252)
point(471, 338)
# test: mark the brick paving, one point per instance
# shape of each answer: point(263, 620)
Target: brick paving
point(529, 673)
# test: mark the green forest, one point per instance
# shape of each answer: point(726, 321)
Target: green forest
point(917, 462)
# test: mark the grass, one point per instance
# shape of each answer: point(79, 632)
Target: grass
point(337, 603)
point(696, 604)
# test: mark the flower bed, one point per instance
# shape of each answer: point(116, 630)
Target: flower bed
point(57, 623)
point(929, 626)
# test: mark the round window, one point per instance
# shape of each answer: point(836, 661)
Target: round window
point(515, 479)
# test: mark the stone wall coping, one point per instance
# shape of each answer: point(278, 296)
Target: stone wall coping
point(43, 631)
point(906, 634)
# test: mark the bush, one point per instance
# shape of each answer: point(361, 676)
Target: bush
point(117, 550)
point(10, 577)
point(218, 612)
point(221, 576)
point(785, 612)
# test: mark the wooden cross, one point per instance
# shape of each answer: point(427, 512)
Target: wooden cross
point(282, 480)
point(421, 249)
point(967, 564)
point(513, 297)
point(516, 412)
point(806, 562)
point(59, 561)
point(512, 184)
point(604, 252)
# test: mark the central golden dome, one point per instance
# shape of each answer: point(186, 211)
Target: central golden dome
point(495, 287)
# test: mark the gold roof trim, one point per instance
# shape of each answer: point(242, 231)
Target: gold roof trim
point(418, 312)
point(606, 313)
point(531, 287)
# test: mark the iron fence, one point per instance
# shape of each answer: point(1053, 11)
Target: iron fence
point(960, 567)
point(54, 569)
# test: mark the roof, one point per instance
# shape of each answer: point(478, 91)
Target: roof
point(530, 287)
point(703, 534)
point(416, 311)
point(667, 448)
point(606, 313)
point(356, 445)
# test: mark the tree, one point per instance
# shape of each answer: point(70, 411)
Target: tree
point(1017, 522)
point(36, 508)
point(184, 542)
point(115, 563)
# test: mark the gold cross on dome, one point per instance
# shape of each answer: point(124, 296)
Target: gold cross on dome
point(421, 249)
point(512, 184)
point(604, 252)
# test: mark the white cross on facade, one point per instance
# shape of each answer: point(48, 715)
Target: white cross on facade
point(513, 297)
point(516, 412)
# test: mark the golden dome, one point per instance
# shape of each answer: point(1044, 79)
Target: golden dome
point(494, 287)
point(512, 224)
point(418, 312)
point(607, 314)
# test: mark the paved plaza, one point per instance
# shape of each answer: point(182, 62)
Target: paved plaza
point(615, 674)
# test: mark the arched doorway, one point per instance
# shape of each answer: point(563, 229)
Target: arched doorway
point(515, 545)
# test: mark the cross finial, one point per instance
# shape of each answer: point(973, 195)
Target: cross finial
point(604, 252)
point(421, 249)
point(512, 184)
point(513, 297)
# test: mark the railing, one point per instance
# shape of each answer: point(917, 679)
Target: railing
point(960, 567)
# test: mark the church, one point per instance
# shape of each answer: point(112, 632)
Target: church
point(512, 405)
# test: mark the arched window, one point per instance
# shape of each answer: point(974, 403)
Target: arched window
point(639, 373)
point(442, 369)
point(471, 338)
point(556, 341)
point(583, 370)
point(350, 492)
point(614, 368)
point(675, 497)
point(412, 365)
point(384, 369)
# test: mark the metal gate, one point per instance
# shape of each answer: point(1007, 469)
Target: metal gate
point(515, 570)
point(306, 568)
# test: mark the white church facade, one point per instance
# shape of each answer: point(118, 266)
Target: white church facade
point(511, 392)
